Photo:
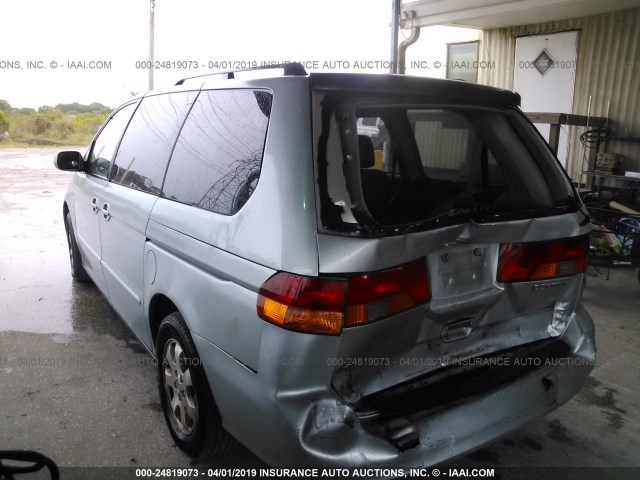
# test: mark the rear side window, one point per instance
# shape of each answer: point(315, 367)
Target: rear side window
point(218, 156)
point(104, 147)
point(146, 146)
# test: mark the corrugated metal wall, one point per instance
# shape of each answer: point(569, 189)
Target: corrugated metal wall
point(448, 152)
point(608, 68)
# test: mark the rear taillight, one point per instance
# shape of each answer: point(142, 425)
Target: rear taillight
point(306, 304)
point(378, 295)
point(521, 262)
point(326, 305)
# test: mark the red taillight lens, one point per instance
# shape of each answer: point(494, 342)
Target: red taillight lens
point(325, 305)
point(378, 295)
point(313, 305)
point(521, 262)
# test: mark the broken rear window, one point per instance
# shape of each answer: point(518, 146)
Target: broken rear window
point(395, 167)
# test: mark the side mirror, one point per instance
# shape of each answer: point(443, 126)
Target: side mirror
point(69, 161)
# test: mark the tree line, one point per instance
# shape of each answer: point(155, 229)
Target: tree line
point(65, 123)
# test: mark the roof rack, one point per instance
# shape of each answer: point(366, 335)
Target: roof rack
point(290, 69)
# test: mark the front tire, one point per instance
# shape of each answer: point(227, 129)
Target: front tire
point(187, 402)
point(77, 270)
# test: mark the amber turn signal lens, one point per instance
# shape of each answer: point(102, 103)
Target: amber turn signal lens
point(299, 319)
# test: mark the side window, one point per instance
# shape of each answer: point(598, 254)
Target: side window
point(146, 146)
point(462, 61)
point(218, 156)
point(104, 147)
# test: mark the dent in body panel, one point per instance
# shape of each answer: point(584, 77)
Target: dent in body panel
point(308, 424)
point(277, 397)
point(412, 343)
point(348, 254)
point(462, 262)
point(456, 427)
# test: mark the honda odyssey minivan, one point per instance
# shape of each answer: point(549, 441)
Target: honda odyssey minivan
point(325, 293)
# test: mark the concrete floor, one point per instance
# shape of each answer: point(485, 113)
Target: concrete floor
point(76, 386)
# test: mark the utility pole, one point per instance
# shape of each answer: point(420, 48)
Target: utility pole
point(151, 39)
point(395, 20)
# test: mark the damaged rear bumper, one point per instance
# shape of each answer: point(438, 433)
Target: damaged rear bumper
point(336, 434)
point(313, 427)
point(333, 434)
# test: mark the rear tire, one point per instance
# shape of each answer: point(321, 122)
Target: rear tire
point(187, 402)
point(77, 270)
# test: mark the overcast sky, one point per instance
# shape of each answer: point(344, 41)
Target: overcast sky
point(53, 33)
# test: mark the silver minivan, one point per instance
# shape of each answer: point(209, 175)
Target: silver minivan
point(328, 293)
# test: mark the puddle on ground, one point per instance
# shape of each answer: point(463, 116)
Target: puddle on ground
point(559, 432)
point(606, 399)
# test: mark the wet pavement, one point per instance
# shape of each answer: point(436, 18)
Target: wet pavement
point(74, 382)
point(76, 385)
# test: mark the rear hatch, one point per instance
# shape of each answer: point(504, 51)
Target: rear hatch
point(461, 236)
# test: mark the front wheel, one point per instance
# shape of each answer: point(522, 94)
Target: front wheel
point(77, 270)
point(187, 402)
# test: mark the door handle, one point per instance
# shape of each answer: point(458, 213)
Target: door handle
point(94, 205)
point(105, 212)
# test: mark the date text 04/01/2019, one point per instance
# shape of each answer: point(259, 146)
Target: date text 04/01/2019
point(271, 472)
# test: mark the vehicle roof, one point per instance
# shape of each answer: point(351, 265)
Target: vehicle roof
point(367, 83)
point(412, 85)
